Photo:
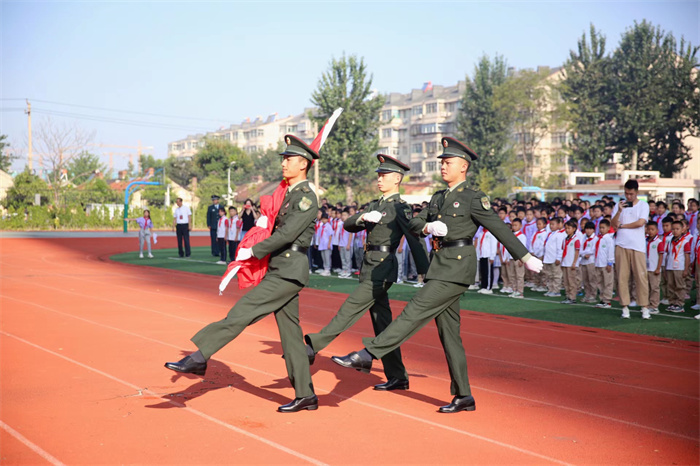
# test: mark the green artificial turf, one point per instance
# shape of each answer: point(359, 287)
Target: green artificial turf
point(535, 306)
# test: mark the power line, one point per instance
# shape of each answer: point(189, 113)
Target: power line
point(220, 120)
point(121, 121)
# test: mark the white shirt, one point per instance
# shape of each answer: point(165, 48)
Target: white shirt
point(605, 251)
point(588, 249)
point(182, 214)
point(221, 227)
point(323, 234)
point(538, 238)
point(569, 247)
point(676, 251)
point(653, 245)
point(522, 237)
point(553, 246)
point(632, 238)
point(232, 227)
point(486, 245)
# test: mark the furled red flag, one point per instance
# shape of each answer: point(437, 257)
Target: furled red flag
point(251, 271)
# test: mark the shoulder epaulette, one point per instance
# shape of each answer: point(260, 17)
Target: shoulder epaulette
point(305, 189)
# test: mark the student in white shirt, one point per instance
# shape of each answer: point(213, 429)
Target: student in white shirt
point(571, 248)
point(516, 269)
point(677, 259)
point(233, 232)
point(182, 221)
point(344, 246)
point(653, 265)
point(324, 236)
point(552, 257)
point(222, 228)
point(605, 263)
point(537, 250)
point(587, 263)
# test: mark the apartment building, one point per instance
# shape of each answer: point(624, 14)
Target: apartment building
point(251, 136)
point(412, 125)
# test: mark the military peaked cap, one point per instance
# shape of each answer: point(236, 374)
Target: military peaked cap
point(390, 164)
point(454, 148)
point(296, 146)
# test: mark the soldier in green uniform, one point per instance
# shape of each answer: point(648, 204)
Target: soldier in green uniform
point(386, 221)
point(452, 217)
point(278, 292)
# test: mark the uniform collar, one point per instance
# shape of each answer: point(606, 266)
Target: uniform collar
point(386, 198)
point(456, 186)
point(298, 183)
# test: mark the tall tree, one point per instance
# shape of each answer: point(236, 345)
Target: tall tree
point(267, 163)
point(147, 161)
point(83, 167)
point(655, 98)
point(23, 191)
point(181, 170)
point(585, 89)
point(217, 156)
point(479, 123)
point(6, 158)
point(346, 156)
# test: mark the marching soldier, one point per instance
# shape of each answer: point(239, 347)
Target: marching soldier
point(452, 217)
point(278, 292)
point(212, 223)
point(386, 221)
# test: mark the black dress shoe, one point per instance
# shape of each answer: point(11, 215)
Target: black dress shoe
point(308, 402)
point(187, 365)
point(358, 361)
point(393, 384)
point(459, 403)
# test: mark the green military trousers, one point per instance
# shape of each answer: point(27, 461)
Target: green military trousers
point(368, 295)
point(437, 300)
point(273, 294)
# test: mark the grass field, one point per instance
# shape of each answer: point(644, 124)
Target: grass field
point(534, 306)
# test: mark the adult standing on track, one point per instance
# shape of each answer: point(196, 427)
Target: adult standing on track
point(213, 223)
point(386, 221)
point(452, 217)
point(248, 217)
point(146, 225)
point(278, 292)
point(182, 222)
point(629, 217)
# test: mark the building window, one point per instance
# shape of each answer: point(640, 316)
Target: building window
point(428, 129)
point(431, 147)
point(417, 167)
point(559, 138)
point(386, 132)
point(415, 130)
point(405, 113)
point(418, 110)
point(394, 151)
point(386, 115)
point(430, 166)
point(292, 129)
point(450, 106)
point(444, 127)
point(302, 126)
point(416, 148)
point(431, 108)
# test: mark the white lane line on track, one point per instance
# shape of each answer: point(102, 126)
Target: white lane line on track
point(553, 405)
point(413, 343)
point(174, 403)
point(31, 445)
point(281, 447)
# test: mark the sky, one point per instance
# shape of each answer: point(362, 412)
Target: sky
point(159, 71)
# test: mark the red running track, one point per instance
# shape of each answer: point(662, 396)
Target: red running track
point(83, 341)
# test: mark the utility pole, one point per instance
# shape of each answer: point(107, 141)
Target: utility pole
point(29, 128)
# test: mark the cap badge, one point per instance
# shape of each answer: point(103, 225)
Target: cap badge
point(381, 159)
point(445, 143)
point(288, 140)
point(383, 214)
point(456, 204)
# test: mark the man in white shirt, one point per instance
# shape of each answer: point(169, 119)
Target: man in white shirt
point(629, 217)
point(182, 222)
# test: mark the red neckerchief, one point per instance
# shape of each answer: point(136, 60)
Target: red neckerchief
point(547, 238)
point(597, 245)
point(145, 223)
point(481, 241)
point(534, 237)
point(588, 238)
point(679, 242)
point(566, 244)
point(649, 241)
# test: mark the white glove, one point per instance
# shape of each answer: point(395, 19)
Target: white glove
point(372, 217)
point(244, 253)
point(534, 264)
point(436, 228)
point(261, 222)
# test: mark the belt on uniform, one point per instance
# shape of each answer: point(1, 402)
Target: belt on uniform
point(297, 248)
point(439, 244)
point(371, 247)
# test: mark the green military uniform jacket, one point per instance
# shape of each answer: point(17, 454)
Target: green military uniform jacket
point(294, 225)
point(463, 210)
point(382, 266)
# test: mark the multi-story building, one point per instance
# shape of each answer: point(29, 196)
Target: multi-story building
point(412, 125)
point(251, 136)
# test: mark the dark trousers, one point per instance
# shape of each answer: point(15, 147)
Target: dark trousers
point(485, 272)
point(214, 244)
point(232, 246)
point(183, 234)
point(438, 301)
point(221, 243)
point(336, 263)
point(273, 295)
point(368, 295)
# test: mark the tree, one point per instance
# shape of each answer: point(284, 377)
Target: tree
point(23, 191)
point(58, 145)
point(345, 157)
point(532, 107)
point(481, 125)
point(181, 170)
point(6, 158)
point(217, 155)
point(147, 161)
point(83, 167)
point(586, 91)
point(655, 99)
point(267, 163)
